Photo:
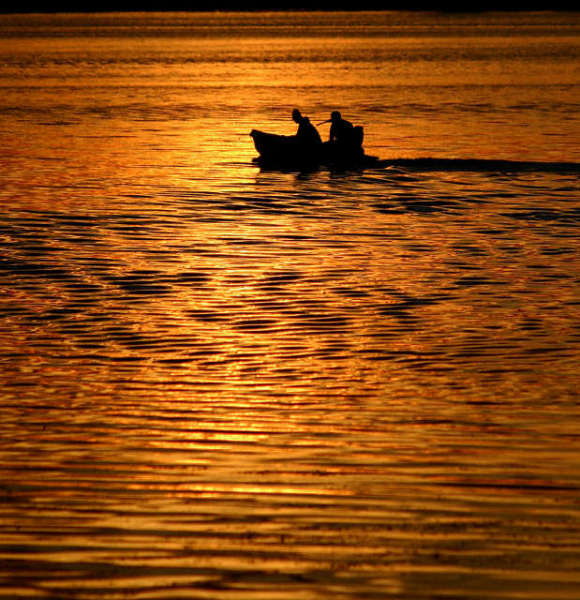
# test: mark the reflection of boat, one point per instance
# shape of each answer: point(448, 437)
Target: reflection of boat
point(286, 152)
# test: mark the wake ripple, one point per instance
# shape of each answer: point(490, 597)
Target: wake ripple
point(481, 165)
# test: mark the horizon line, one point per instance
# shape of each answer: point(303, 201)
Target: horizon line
point(420, 7)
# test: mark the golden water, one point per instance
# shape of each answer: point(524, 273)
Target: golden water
point(221, 383)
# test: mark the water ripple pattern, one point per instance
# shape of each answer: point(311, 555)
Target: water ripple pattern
point(226, 382)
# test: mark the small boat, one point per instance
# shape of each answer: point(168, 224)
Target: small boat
point(287, 152)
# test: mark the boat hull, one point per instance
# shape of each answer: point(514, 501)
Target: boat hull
point(286, 152)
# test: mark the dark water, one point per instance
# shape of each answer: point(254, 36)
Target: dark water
point(220, 382)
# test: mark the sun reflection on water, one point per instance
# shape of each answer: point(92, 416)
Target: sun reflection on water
point(222, 380)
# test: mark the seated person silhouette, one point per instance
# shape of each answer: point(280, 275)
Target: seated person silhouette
point(307, 135)
point(344, 137)
point(341, 130)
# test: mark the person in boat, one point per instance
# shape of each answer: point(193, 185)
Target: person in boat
point(341, 130)
point(307, 135)
point(344, 138)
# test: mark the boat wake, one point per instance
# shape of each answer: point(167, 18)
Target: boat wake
point(482, 165)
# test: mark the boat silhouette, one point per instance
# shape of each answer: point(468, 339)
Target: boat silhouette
point(288, 152)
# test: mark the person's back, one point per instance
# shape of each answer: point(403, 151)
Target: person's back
point(307, 134)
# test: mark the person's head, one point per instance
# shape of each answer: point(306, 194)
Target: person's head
point(296, 115)
point(335, 116)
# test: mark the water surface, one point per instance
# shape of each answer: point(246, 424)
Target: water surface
point(222, 382)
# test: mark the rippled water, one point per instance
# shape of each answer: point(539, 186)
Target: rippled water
point(221, 382)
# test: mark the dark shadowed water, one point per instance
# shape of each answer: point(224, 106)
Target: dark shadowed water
point(226, 383)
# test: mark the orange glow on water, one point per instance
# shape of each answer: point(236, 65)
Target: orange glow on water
point(225, 381)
